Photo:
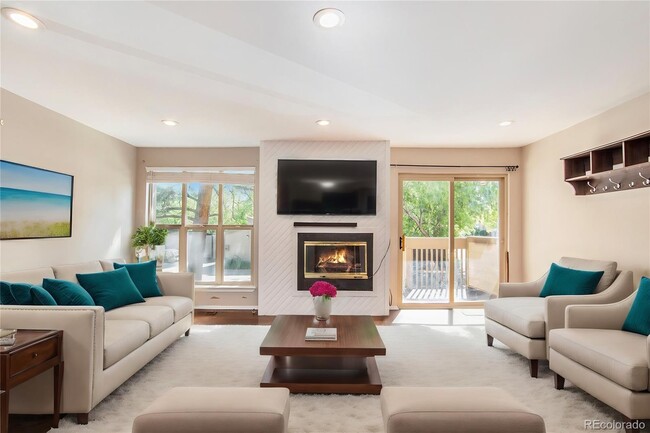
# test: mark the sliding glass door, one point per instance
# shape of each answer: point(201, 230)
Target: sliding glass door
point(439, 270)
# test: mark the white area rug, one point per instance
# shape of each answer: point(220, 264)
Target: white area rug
point(416, 356)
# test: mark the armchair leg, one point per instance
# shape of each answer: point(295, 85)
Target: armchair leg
point(82, 418)
point(534, 367)
point(559, 381)
point(187, 333)
point(490, 340)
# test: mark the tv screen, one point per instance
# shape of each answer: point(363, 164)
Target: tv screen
point(327, 187)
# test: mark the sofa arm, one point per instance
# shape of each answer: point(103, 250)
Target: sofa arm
point(177, 284)
point(83, 354)
point(555, 315)
point(605, 316)
point(529, 289)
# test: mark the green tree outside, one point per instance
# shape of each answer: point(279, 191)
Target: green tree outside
point(426, 208)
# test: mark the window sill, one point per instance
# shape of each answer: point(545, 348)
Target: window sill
point(224, 289)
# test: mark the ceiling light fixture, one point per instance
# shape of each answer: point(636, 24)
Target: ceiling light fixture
point(329, 18)
point(322, 122)
point(506, 123)
point(22, 18)
point(169, 122)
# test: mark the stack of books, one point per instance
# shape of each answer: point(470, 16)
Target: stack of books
point(7, 337)
point(320, 334)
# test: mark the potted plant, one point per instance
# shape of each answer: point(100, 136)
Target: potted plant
point(322, 293)
point(149, 242)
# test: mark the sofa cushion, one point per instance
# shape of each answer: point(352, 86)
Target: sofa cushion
point(567, 281)
point(69, 272)
point(638, 318)
point(6, 298)
point(111, 289)
point(620, 356)
point(40, 296)
point(608, 268)
point(32, 276)
point(22, 293)
point(122, 337)
point(67, 293)
point(143, 276)
point(181, 305)
point(523, 315)
point(159, 318)
point(109, 264)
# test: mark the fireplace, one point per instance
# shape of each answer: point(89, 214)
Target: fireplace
point(343, 259)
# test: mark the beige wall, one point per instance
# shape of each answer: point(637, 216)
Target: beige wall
point(104, 184)
point(613, 226)
point(442, 156)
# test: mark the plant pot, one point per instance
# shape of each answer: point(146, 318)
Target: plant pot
point(322, 307)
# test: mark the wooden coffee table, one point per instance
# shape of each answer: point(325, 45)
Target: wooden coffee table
point(345, 366)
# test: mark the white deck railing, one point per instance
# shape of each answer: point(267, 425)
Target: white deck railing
point(426, 269)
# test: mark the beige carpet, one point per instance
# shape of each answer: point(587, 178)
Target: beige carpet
point(417, 356)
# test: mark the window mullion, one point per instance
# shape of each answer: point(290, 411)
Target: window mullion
point(182, 236)
point(220, 240)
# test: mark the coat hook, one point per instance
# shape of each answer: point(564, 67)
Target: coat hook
point(592, 188)
point(646, 181)
point(617, 185)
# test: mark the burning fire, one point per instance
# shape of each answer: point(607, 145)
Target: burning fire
point(337, 256)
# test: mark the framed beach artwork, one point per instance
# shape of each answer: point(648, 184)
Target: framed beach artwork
point(34, 203)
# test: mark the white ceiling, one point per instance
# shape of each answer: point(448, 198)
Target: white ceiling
point(415, 73)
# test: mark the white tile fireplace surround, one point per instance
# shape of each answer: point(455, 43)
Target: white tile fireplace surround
point(278, 238)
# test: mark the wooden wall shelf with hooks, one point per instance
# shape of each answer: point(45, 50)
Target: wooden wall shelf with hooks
point(618, 166)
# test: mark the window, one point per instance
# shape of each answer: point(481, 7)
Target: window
point(210, 217)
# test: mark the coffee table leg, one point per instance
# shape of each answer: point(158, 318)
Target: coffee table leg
point(58, 385)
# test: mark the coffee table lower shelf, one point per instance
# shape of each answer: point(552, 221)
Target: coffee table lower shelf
point(323, 374)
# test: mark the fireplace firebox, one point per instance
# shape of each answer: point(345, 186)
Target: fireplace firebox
point(343, 259)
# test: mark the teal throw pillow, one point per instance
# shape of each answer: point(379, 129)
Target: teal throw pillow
point(638, 318)
point(22, 293)
point(566, 281)
point(111, 289)
point(6, 298)
point(66, 292)
point(40, 296)
point(143, 276)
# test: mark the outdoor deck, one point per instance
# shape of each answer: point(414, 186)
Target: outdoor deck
point(427, 272)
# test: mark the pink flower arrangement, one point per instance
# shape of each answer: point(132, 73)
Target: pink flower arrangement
point(323, 288)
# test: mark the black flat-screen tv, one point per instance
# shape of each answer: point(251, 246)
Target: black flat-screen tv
point(327, 187)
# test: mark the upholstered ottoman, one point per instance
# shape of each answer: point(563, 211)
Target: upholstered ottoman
point(216, 410)
point(455, 410)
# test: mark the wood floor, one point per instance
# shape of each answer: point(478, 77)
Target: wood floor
point(251, 318)
point(41, 423)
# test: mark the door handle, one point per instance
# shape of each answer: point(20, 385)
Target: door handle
point(402, 242)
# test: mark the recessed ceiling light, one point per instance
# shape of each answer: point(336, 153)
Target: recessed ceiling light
point(329, 18)
point(322, 122)
point(169, 122)
point(22, 18)
point(506, 123)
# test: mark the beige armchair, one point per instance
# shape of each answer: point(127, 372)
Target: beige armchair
point(522, 320)
point(597, 356)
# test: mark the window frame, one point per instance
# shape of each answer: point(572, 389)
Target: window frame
point(184, 227)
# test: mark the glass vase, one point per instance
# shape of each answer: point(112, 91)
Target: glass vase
point(322, 307)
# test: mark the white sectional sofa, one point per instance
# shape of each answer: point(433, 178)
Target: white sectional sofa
point(101, 350)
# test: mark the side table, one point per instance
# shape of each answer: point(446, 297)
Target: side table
point(34, 352)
